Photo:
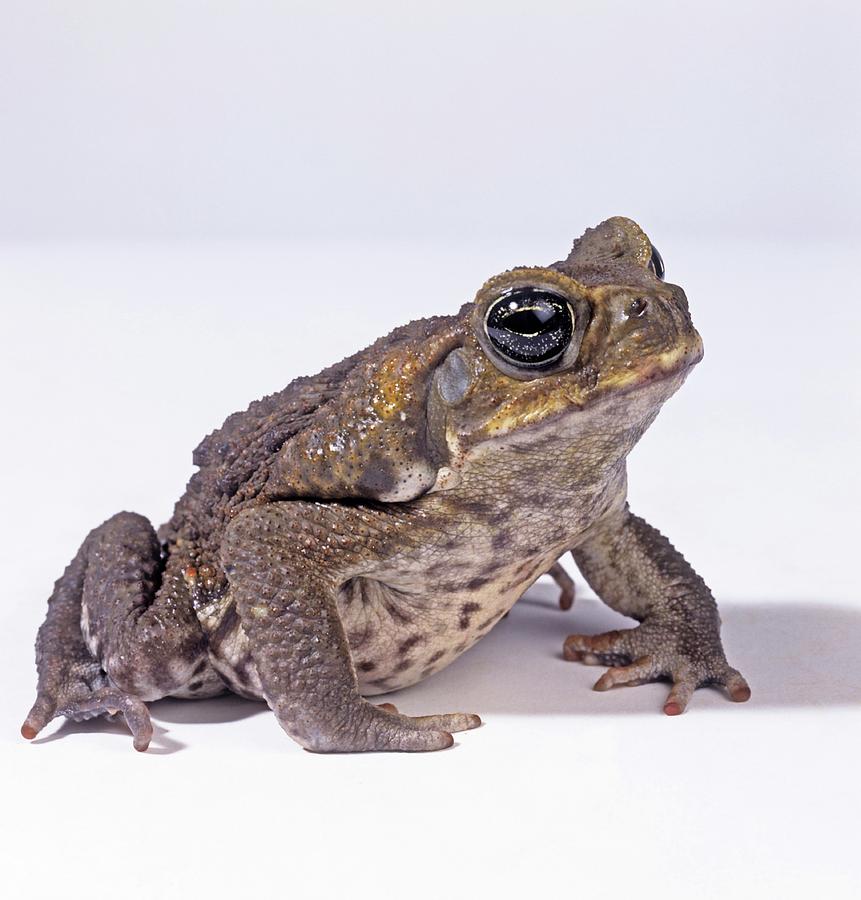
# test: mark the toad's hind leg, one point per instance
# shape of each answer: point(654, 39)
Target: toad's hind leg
point(112, 639)
point(278, 559)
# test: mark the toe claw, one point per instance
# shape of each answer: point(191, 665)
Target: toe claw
point(566, 585)
point(604, 683)
point(736, 686)
point(576, 648)
point(569, 653)
point(680, 694)
point(42, 712)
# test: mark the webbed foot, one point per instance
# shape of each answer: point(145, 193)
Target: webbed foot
point(657, 650)
point(85, 703)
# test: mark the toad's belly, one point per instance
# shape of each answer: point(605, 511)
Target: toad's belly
point(398, 637)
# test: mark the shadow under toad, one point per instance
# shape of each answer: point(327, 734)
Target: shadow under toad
point(161, 745)
point(227, 708)
point(794, 654)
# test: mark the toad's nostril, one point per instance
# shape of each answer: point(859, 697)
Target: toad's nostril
point(637, 307)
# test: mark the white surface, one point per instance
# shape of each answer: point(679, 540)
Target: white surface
point(472, 117)
point(114, 361)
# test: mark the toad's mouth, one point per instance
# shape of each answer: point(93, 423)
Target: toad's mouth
point(569, 395)
point(679, 360)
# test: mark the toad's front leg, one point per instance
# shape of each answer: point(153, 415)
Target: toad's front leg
point(635, 570)
point(281, 560)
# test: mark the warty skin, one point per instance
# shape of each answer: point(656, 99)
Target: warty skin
point(359, 530)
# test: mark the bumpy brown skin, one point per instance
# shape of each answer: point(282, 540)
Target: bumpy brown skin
point(357, 531)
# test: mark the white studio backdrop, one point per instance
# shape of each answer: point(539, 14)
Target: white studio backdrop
point(268, 118)
point(200, 201)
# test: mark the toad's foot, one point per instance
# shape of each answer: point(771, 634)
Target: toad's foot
point(565, 584)
point(84, 703)
point(654, 651)
point(383, 728)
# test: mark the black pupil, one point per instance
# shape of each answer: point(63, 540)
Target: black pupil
point(530, 326)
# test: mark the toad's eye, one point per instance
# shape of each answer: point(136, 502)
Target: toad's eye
point(656, 263)
point(530, 327)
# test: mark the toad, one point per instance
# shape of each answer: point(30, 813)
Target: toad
point(357, 531)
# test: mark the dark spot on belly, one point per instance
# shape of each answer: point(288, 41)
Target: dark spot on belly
point(354, 591)
point(501, 540)
point(461, 647)
point(366, 666)
point(244, 667)
point(409, 643)
point(403, 664)
point(380, 682)
point(195, 685)
point(198, 669)
point(466, 612)
point(357, 638)
point(476, 583)
point(488, 622)
point(541, 500)
point(449, 587)
point(477, 508)
point(396, 612)
point(498, 517)
point(436, 657)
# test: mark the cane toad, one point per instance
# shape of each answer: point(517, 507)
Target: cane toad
point(359, 530)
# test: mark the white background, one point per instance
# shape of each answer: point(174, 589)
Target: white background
point(200, 201)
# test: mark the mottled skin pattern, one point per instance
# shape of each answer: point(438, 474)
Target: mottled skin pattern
point(357, 531)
